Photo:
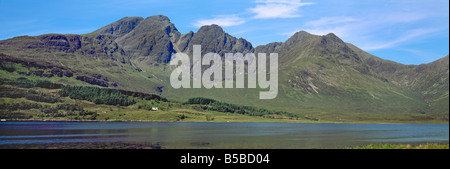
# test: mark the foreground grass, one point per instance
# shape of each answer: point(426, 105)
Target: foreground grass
point(201, 145)
point(403, 146)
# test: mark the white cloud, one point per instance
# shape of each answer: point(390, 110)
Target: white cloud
point(267, 9)
point(221, 20)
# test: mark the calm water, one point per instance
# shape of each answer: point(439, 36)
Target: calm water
point(221, 135)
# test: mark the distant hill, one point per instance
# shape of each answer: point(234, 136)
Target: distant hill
point(319, 76)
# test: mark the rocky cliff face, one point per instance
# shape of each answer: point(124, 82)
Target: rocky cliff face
point(155, 39)
point(120, 27)
point(212, 38)
point(94, 46)
point(151, 41)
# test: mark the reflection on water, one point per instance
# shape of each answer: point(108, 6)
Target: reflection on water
point(220, 135)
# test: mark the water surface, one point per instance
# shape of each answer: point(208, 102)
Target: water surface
point(220, 135)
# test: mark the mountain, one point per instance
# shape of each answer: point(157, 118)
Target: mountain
point(120, 27)
point(319, 76)
point(155, 39)
point(213, 39)
point(151, 40)
point(430, 80)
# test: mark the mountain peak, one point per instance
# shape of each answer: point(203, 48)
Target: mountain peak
point(303, 33)
point(298, 37)
point(154, 23)
point(151, 40)
point(332, 36)
point(130, 18)
point(211, 28)
point(214, 39)
point(160, 18)
point(120, 27)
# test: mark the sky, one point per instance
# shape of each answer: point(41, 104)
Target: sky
point(404, 31)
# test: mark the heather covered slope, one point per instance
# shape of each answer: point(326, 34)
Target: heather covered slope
point(90, 59)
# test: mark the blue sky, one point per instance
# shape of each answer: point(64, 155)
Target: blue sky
point(405, 31)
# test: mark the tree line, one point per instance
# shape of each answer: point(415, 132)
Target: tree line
point(213, 105)
point(97, 95)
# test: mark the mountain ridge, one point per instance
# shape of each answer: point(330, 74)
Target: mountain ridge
point(317, 73)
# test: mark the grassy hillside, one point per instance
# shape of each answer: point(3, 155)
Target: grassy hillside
point(320, 77)
point(41, 99)
point(92, 59)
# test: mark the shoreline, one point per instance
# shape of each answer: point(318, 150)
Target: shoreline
point(61, 120)
point(150, 145)
point(174, 121)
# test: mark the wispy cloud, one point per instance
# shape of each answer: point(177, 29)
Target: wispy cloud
point(337, 25)
point(373, 31)
point(330, 21)
point(407, 36)
point(221, 20)
point(268, 9)
point(423, 55)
